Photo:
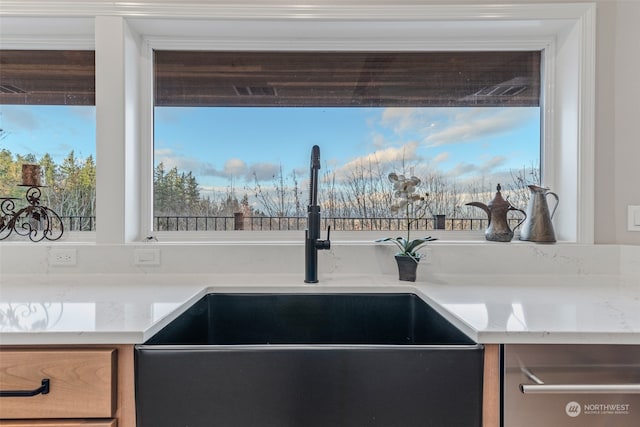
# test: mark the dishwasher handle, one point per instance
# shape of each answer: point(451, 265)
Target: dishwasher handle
point(541, 388)
point(580, 388)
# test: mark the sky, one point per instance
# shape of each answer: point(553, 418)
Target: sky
point(232, 146)
point(41, 129)
point(237, 144)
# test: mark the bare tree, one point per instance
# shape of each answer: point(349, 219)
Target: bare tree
point(282, 199)
point(518, 188)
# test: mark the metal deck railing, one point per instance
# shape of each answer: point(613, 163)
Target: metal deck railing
point(266, 223)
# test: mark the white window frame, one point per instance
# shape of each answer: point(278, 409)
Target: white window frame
point(126, 33)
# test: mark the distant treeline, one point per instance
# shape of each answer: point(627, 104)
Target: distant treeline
point(177, 193)
point(71, 188)
point(71, 185)
point(363, 192)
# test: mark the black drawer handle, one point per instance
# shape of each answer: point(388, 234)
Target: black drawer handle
point(43, 389)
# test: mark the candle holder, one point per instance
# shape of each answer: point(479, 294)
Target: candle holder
point(31, 175)
point(34, 221)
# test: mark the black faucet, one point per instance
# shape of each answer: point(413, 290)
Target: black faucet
point(312, 242)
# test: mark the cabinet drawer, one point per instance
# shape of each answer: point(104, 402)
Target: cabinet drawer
point(59, 423)
point(82, 383)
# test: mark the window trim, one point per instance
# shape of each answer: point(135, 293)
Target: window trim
point(153, 43)
point(269, 35)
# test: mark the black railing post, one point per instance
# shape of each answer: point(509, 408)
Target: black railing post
point(238, 221)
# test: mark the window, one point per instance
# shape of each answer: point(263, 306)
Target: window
point(563, 32)
point(47, 117)
point(233, 132)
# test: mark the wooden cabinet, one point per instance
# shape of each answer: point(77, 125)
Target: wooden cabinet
point(82, 383)
point(83, 386)
point(491, 386)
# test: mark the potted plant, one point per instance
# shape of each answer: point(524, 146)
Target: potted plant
point(412, 207)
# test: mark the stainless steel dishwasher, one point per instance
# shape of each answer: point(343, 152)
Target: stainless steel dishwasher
point(571, 385)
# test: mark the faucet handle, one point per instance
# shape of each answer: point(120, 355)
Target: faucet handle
point(324, 244)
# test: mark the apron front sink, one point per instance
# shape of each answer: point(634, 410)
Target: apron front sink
point(312, 360)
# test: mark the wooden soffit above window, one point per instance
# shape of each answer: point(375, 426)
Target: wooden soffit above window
point(47, 77)
point(343, 79)
point(325, 79)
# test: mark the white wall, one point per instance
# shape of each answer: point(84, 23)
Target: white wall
point(190, 260)
point(617, 144)
point(626, 137)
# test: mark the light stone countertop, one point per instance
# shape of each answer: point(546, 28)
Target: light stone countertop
point(129, 309)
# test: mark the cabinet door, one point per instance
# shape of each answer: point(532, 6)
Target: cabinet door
point(82, 383)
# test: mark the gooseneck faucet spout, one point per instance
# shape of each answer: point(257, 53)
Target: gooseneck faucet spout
point(312, 241)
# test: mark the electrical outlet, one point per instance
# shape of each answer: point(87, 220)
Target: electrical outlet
point(62, 257)
point(633, 216)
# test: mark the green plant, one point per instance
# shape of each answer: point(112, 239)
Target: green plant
point(413, 207)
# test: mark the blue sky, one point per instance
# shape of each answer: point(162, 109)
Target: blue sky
point(224, 145)
point(221, 144)
point(40, 129)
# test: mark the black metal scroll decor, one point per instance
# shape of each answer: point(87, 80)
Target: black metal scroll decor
point(34, 221)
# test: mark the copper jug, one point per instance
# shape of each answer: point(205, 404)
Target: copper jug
point(538, 226)
point(497, 209)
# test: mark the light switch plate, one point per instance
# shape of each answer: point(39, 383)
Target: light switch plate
point(146, 257)
point(633, 216)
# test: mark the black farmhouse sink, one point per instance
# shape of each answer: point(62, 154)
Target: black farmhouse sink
point(309, 360)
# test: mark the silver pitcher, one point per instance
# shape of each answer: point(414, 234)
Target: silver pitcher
point(538, 226)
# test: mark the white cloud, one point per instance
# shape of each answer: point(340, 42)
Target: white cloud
point(403, 154)
point(462, 168)
point(440, 158)
point(401, 119)
point(416, 120)
point(477, 123)
point(488, 167)
point(183, 164)
point(20, 119)
point(235, 167)
point(378, 141)
point(442, 126)
point(161, 153)
point(492, 164)
point(263, 171)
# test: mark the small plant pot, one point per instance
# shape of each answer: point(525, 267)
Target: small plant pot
point(407, 267)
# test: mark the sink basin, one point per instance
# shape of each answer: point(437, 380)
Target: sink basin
point(234, 319)
point(309, 360)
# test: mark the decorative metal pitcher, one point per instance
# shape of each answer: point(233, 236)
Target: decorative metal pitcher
point(538, 226)
point(498, 229)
